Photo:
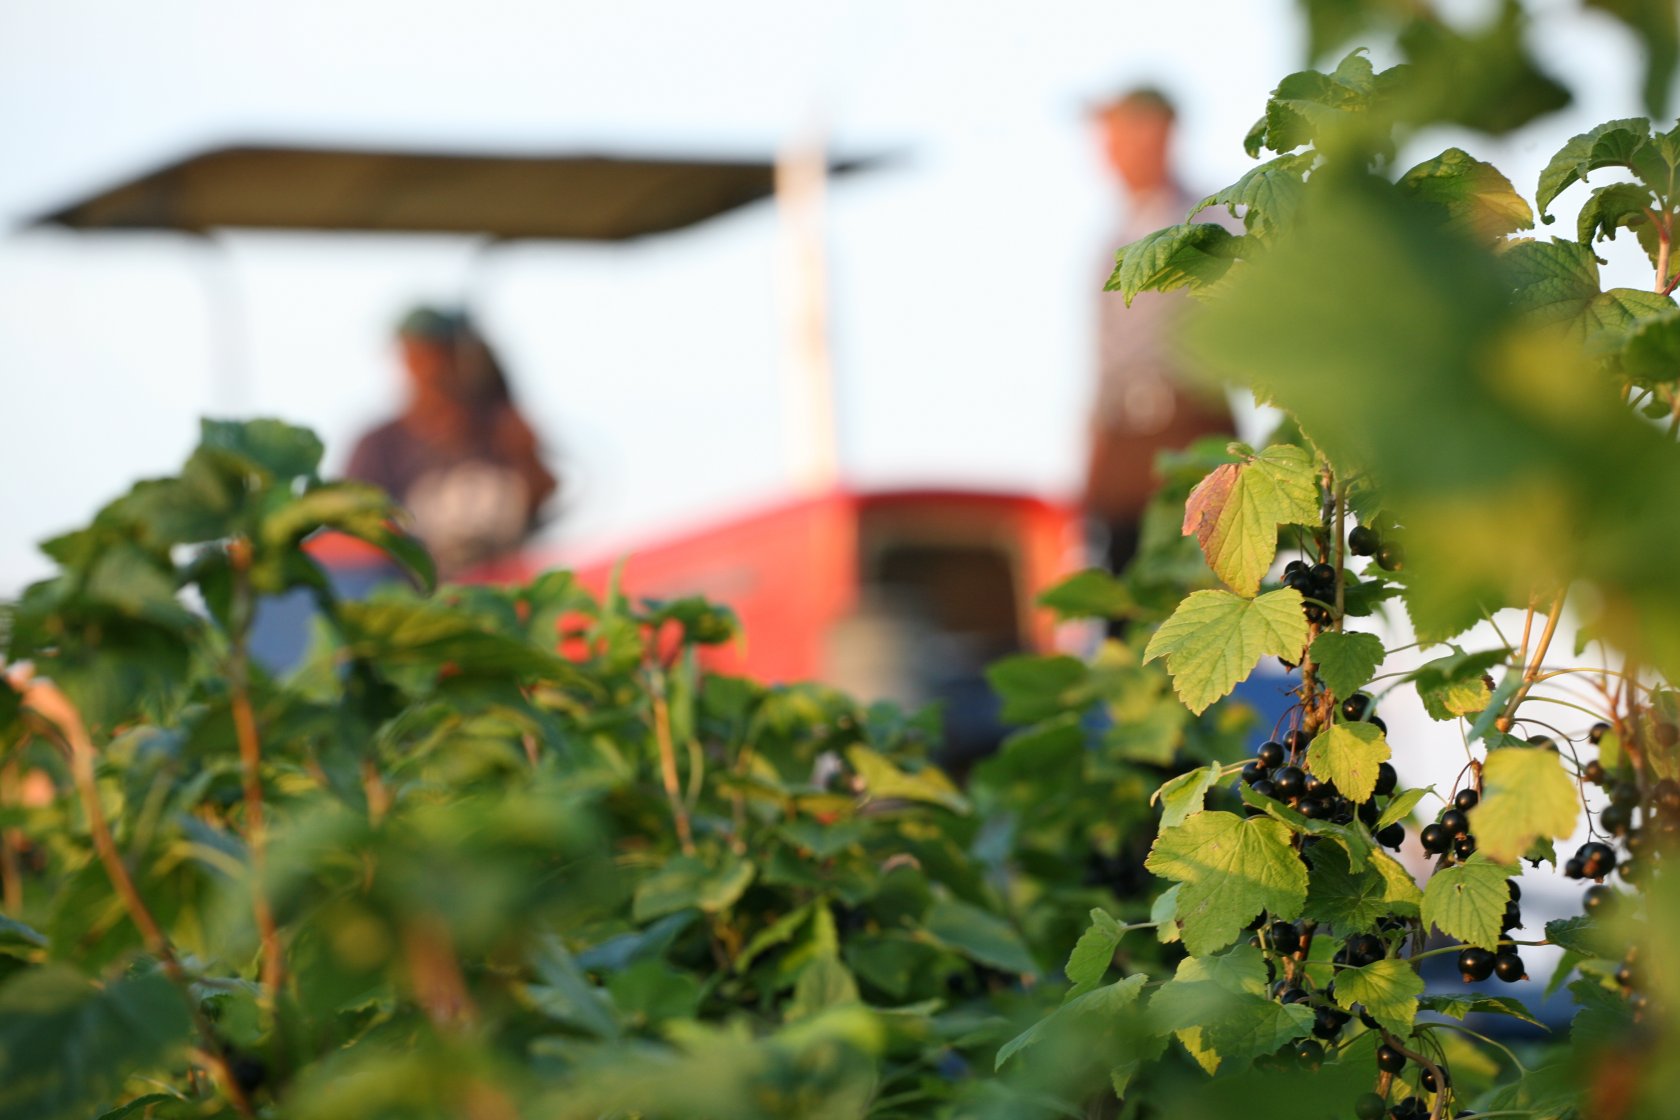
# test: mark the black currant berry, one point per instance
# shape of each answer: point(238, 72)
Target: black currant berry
point(1252, 772)
point(1574, 869)
point(1598, 899)
point(1464, 847)
point(1297, 741)
point(1323, 574)
point(1624, 793)
point(1309, 1053)
point(1513, 890)
point(1391, 557)
point(1290, 782)
point(1294, 566)
point(1328, 1023)
point(1314, 808)
point(1369, 1106)
point(1428, 1081)
point(1455, 822)
point(1316, 614)
point(1363, 540)
point(1596, 732)
point(1597, 859)
point(1270, 755)
point(1367, 948)
point(1512, 918)
point(1377, 722)
point(1319, 787)
point(1508, 967)
point(1369, 813)
point(1593, 772)
point(1624, 976)
point(1390, 1060)
point(1387, 779)
point(1616, 819)
point(1355, 707)
point(1466, 799)
point(1285, 938)
point(1475, 964)
point(1265, 787)
point(1435, 839)
point(1392, 836)
point(1543, 742)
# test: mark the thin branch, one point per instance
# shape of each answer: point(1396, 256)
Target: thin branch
point(52, 707)
point(250, 767)
point(1532, 673)
point(668, 762)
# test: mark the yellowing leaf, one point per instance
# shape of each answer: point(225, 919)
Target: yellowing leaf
point(1231, 868)
point(1214, 639)
point(1234, 513)
point(1388, 988)
point(1526, 795)
point(1184, 795)
point(1349, 754)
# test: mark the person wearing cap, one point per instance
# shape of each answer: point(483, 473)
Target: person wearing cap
point(1141, 407)
point(460, 457)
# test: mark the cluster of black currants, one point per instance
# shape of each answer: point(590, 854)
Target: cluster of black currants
point(1367, 540)
point(1315, 583)
point(1276, 772)
point(1644, 825)
point(1371, 1106)
point(1476, 964)
point(1450, 835)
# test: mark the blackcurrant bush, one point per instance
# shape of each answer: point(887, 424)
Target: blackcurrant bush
point(1596, 732)
point(1598, 899)
point(1369, 1106)
point(1435, 839)
point(1455, 822)
point(1475, 964)
point(1355, 707)
point(1391, 557)
point(1390, 1060)
point(1270, 755)
point(1392, 836)
point(1363, 540)
point(1466, 799)
point(1464, 847)
point(1290, 781)
point(1387, 779)
point(1508, 967)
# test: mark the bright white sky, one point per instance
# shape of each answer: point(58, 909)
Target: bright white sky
point(963, 276)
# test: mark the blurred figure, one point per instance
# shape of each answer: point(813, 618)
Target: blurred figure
point(1140, 407)
point(460, 457)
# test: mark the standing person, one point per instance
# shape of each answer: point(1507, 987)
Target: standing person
point(1140, 407)
point(460, 456)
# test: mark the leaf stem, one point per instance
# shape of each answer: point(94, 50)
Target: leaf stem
point(668, 761)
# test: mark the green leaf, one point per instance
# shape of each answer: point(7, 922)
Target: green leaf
point(1217, 1007)
point(1349, 754)
point(1585, 936)
point(1556, 283)
point(1459, 1006)
point(1188, 255)
point(1034, 687)
point(1104, 1003)
point(1353, 900)
point(417, 632)
point(1346, 661)
point(1526, 794)
point(1353, 839)
point(979, 936)
point(1232, 868)
point(1467, 901)
point(1093, 954)
point(66, 1045)
point(1092, 593)
point(1649, 351)
point(1388, 988)
point(271, 448)
point(686, 882)
point(1619, 206)
point(14, 932)
point(1184, 795)
point(1401, 806)
point(651, 991)
point(1164, 912)
point(1478, 201)
point(1269, 195)
point(1234, 513)
point(884, 781)
point(1214, 639)
point(1611, 144)
point(822, 984)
